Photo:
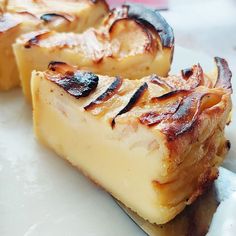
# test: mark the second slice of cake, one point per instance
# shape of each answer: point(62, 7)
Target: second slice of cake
point(155, 143)
point(132, 42)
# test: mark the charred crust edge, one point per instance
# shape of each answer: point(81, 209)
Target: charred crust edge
point(132, 102)
point(182, 115)
point(110, 92)
point(183, 123)
point(186, 73)
point(171, 94)
point(76, 83)
point(35, 40)
point(152, 18)
point(52, 65)
point(48, 17)
point(224, 74)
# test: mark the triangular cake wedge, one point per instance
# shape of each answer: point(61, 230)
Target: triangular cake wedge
point(132, 42)
point(155, 144)
point(19, 17)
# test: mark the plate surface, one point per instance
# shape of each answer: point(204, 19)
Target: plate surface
point(42, 194)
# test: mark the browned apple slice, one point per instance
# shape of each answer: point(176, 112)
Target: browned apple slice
point(76, 83)
point(155, 19)
point(132, 37)
point(61, 67)
point(150, 20)
point(48, 17)
point(224, 74)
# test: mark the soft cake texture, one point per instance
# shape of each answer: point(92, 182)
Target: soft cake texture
point(132, 42)
point(19, 17)
point(155, 144)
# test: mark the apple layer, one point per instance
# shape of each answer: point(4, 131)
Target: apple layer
point(132, 42)
point(62, 15)
point(154, 147)
point(20, 17)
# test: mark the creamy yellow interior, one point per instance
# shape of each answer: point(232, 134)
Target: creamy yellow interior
point(121, 160)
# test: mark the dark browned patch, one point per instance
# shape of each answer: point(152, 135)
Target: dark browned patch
point(171, 95)
point(194, 76)
point(48, 17)
point(132, 102)
point(186, 73)
point(53, 65)
point(154, 118)
point(35, 40)
point(224, 74)
point(80, 84)
point(61, 67)
point(228, 144)
point(110, 92)
point(186, 115)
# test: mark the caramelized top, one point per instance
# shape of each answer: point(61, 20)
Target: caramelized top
point(123, 33)
point(154, 19)
point(89, 43)
point(172, 105)
point(76, 83)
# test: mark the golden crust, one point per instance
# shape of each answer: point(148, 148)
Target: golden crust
point(177, 112)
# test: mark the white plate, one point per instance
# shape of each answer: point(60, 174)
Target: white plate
point(41, 194)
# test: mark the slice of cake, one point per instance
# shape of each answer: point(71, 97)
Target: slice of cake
point(19, 17)
point(132, 42)
point(155, 143)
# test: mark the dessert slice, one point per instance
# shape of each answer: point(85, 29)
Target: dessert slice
point(62, 15)
point(24, 16)
point(132, 42)
point(154, 143)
